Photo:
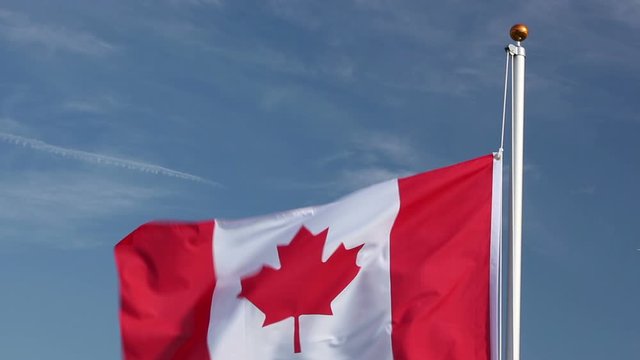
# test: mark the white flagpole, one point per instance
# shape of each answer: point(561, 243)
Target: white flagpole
point(518, 33)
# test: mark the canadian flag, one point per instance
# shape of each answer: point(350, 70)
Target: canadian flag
point(405, 269)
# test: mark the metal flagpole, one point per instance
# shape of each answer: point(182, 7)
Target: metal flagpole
point(518, 33)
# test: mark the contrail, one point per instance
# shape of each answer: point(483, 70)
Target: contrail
point(100, 159)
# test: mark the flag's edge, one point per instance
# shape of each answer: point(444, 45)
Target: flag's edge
point(495, 272)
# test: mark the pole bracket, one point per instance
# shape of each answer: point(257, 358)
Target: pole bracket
point(516, 50)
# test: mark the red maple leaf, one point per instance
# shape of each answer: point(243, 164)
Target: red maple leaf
point(303, 285)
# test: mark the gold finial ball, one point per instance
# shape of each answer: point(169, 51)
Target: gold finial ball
point(519, 32)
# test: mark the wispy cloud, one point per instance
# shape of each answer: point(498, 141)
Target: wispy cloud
point(197, 2)
point(625, 11)
point(19, 28)
point(369, 157)
point(263, 56)
point(385, 147)
point(96, 105)
point(352, 179)
point(12, 125)
point(586, 190)
point(65, 209)
point(344, 180)
point(301, 13)
point(375, 157)
point(95, 158)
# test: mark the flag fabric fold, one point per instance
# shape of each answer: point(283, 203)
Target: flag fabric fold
point(405, 269)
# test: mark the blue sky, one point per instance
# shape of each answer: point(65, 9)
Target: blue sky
point(116, 113)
